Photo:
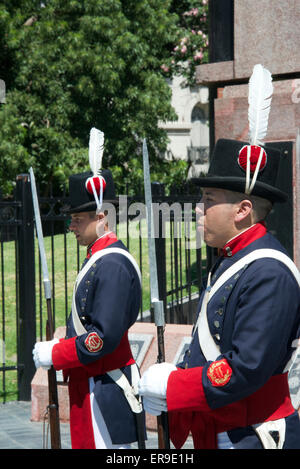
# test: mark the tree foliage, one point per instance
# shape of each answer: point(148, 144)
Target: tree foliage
point(70, 65)
point(191, 47)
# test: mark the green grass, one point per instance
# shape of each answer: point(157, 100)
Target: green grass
point(63, 272)
point(8, 334)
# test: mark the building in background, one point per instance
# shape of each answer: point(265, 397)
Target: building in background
point(189, 135)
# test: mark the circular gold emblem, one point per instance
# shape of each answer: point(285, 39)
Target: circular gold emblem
point(219, 373)
point(93, 342)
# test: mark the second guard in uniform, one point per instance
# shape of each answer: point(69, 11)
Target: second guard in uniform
point(95, 356)
point(231, 390)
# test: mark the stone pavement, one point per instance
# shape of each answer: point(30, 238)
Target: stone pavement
point(18, 432)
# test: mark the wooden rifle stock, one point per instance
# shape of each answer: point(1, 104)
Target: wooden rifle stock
point(162, 420)
point(53, 411)
point(52, 384)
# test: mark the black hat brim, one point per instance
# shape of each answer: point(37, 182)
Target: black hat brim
point(236, 184)
point(88, 207)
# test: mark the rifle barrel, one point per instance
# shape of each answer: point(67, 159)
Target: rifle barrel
point(52, 383)
point(158, 306)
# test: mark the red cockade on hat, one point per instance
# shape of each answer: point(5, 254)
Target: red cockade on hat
point(96, 180)
point(254, 152)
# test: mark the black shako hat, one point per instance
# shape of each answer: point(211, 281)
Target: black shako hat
point(81, 199)
point(249, 168)
point(228, 170)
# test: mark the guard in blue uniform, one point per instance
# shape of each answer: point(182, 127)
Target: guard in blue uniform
point(95, 355)
point(231, 390)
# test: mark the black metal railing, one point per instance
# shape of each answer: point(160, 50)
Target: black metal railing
point(9, 224)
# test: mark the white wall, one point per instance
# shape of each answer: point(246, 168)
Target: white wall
point(191, 128)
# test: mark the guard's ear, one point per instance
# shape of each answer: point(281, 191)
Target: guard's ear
point(101, 215)
point(102, 224)
point(244, 210)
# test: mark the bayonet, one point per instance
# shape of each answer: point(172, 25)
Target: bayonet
point(52, 382)
point(156, 303)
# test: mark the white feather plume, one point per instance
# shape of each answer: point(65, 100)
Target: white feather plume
point(259, 99)
point(96, 146)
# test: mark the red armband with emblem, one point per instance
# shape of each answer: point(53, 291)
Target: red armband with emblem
point(219, 373)
point(93, 342)
point(64, 354)
point(185, 389)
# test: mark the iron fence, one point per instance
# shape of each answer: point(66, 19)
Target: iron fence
point(9, 225)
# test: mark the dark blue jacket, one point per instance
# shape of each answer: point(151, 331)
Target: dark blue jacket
point(108, 299)
point(254, 318)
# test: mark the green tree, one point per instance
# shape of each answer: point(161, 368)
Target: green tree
point(70, 65)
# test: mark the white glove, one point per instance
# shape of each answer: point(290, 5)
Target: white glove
point(42, 353)
point(154, 380)
point(153, 387)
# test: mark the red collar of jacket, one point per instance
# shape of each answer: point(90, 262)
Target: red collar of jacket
point(101, 243)
point(243, 239)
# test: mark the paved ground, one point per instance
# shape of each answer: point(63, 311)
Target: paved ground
point(18, 432)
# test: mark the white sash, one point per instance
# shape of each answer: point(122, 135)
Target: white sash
point(120, 379)
point(208, 346)
point(130, 391)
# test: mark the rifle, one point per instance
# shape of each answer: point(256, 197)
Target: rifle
point(157, 304)
point(52, 384)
